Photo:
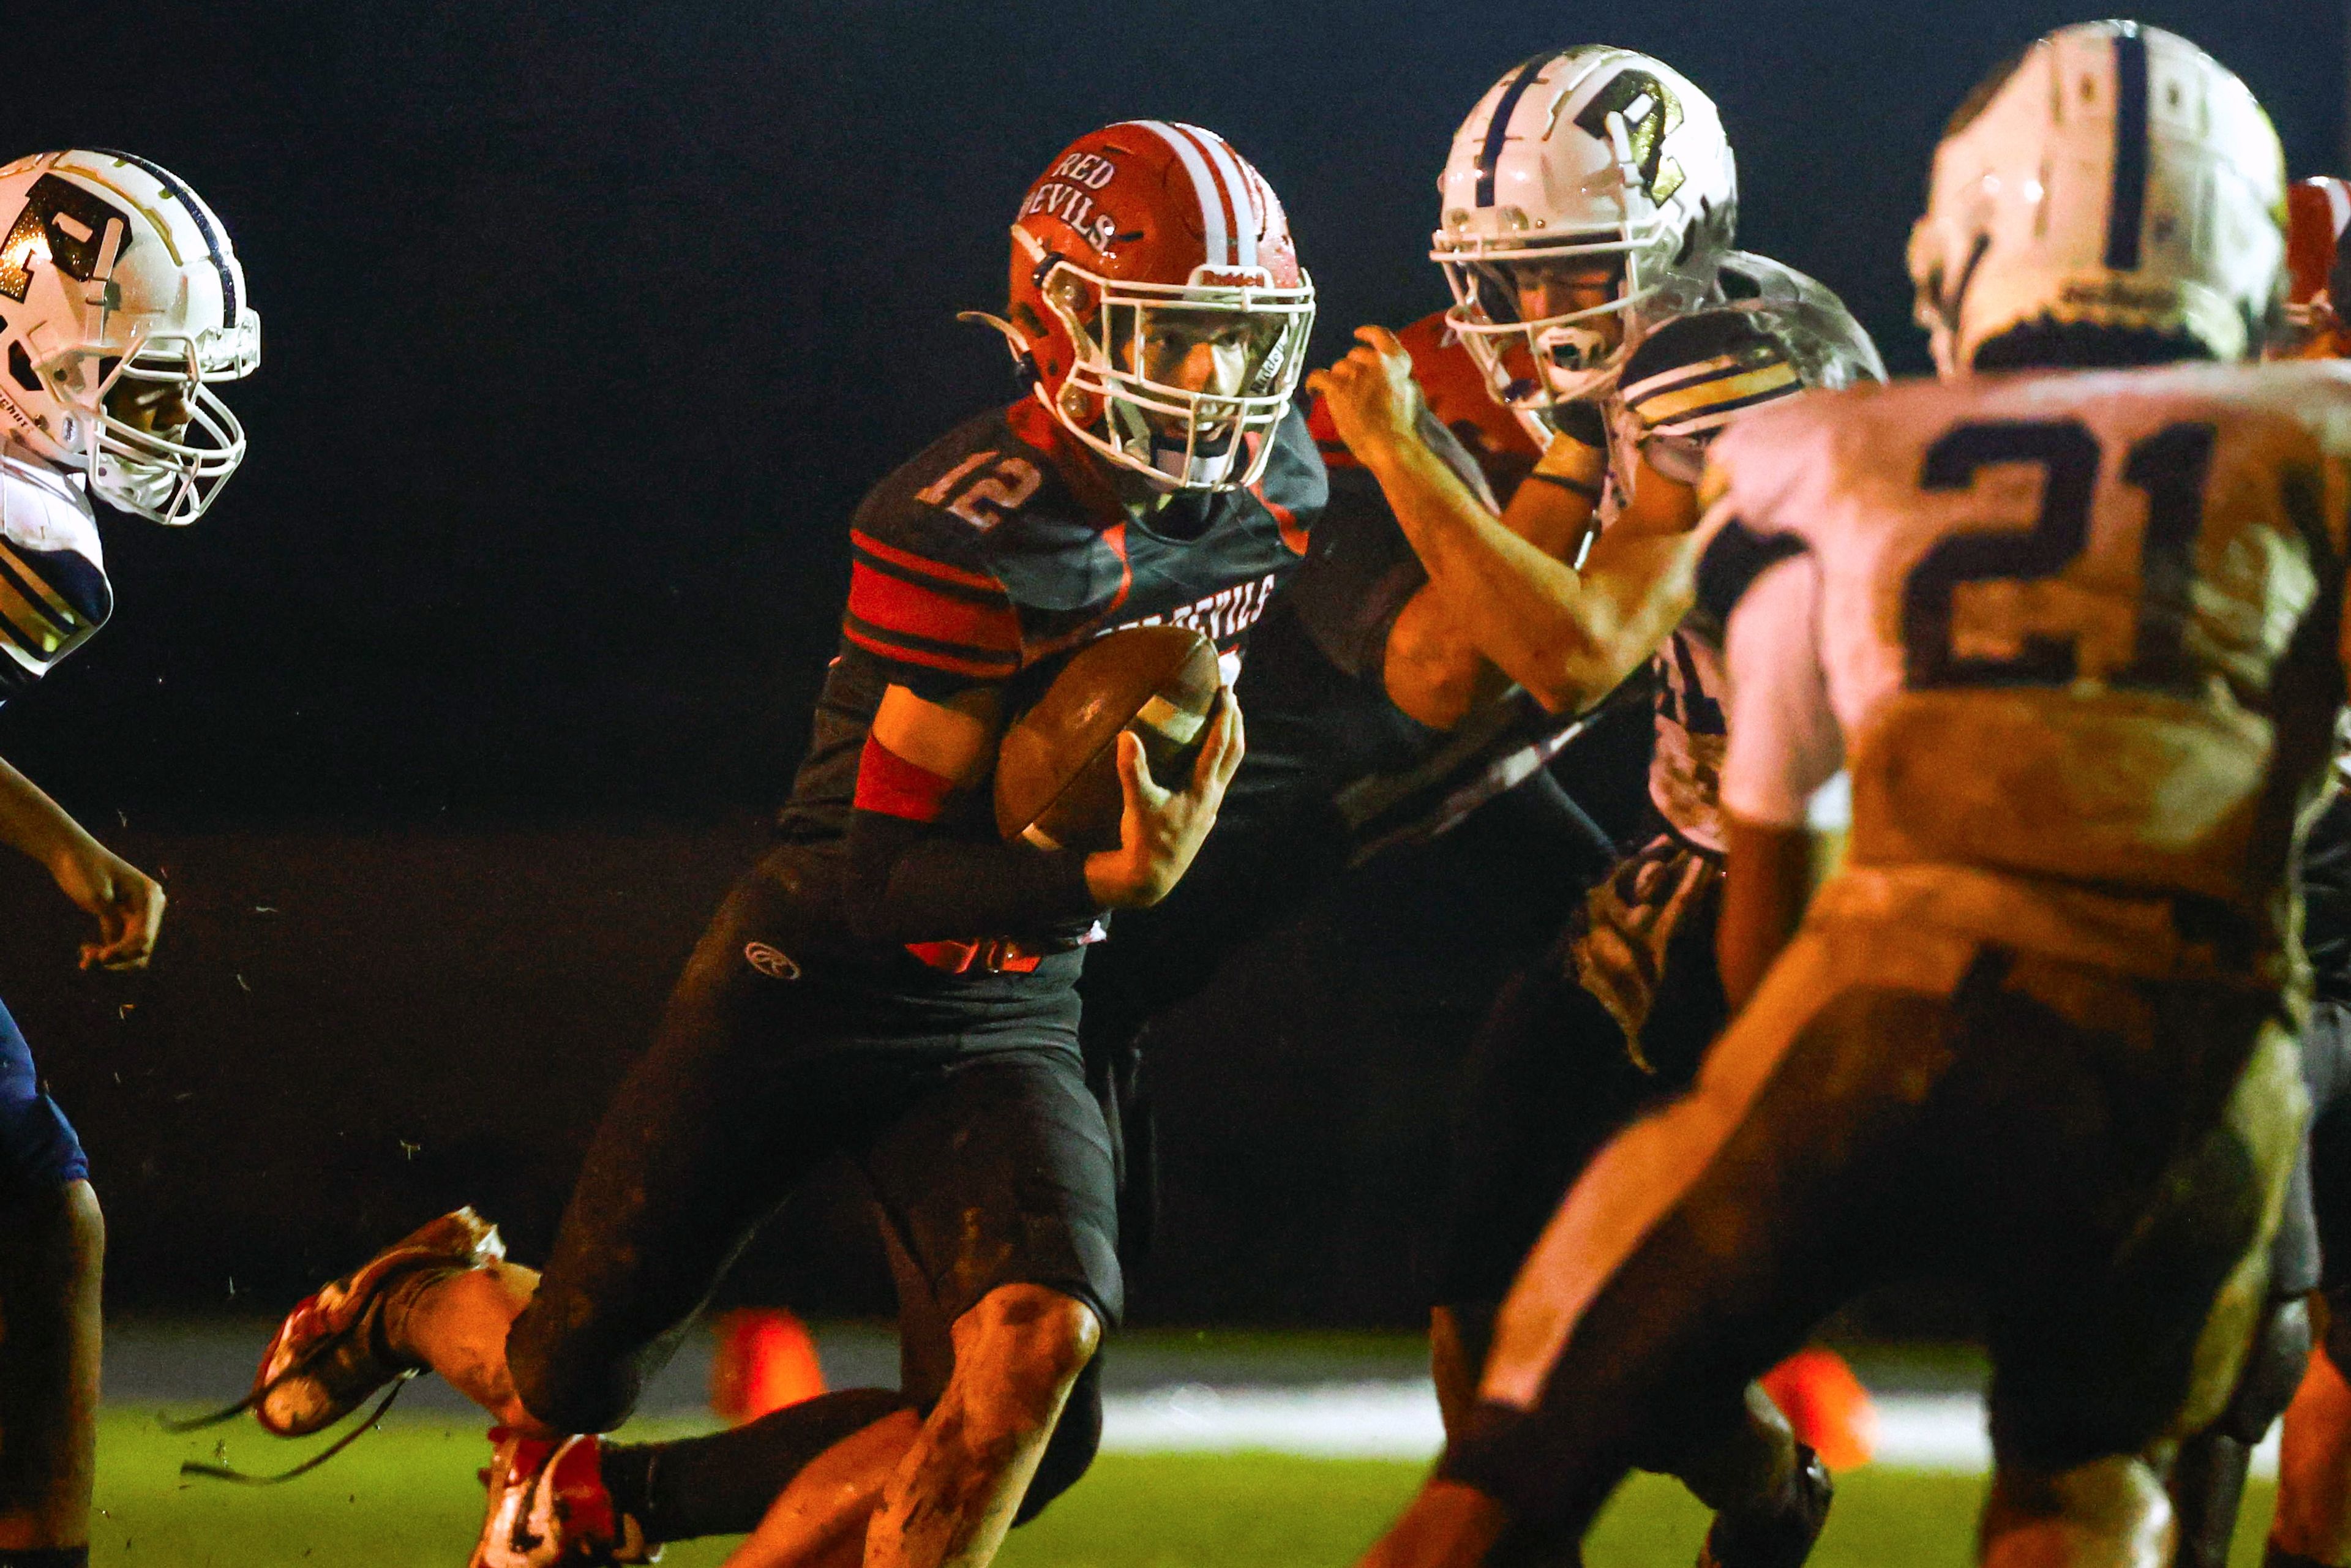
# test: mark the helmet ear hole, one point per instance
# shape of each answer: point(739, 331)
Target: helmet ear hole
point(21, 367)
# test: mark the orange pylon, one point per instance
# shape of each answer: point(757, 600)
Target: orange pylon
point(1827, 1405)
point(765, 1361)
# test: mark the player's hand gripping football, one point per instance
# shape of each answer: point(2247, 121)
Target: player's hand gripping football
point(1160, 830)
point(127, 902)
point(1370, 393)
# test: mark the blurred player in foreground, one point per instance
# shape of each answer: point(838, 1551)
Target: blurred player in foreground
point(895, 984)
point(2312, 1523)
point(1588, 213)
point(2080, 636)
point(120, 306)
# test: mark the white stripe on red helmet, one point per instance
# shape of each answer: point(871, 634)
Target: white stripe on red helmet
point(1227, 164)
point(1216, 239)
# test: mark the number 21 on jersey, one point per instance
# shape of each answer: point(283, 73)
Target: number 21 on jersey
point(2168, 468)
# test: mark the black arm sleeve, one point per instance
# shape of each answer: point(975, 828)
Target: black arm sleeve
point(908, 883)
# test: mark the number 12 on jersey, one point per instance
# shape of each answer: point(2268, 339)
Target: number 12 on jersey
point(2169, 468)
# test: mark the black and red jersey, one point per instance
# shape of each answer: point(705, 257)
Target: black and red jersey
point(1000, 549)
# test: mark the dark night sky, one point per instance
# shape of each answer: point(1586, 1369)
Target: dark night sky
point(586, 324)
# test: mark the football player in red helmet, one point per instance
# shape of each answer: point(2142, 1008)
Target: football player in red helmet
point(895, 985)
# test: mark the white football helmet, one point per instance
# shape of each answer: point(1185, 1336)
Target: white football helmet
point(114, 274)
point(2111, 175)
point(1590, 151)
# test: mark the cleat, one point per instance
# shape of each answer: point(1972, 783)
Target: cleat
point(327, 1355)
point(548, 1509)
point(1778, 1533)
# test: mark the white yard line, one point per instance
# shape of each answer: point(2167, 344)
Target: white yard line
point(1398, 1420)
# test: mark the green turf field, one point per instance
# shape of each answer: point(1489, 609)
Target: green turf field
point(405, 1497)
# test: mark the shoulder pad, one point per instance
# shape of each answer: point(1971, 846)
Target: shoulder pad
point(53, 589)
point(1691, 374)
point(1827, 344)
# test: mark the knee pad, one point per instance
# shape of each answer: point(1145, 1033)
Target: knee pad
point(1070, 1452)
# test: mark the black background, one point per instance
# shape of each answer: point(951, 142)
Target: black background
point(585, 326)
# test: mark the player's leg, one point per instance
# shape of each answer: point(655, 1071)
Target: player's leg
point(2207, 1483)
point(1018, 1353)
point(2208, 1478)
point(996, 1204)
point(1000, 1187)
point(1698, 1249)
point(833, 1457)
point(49, 1277)
point(52, 1250)
point(703, 1137)
point(1546, 1081)
point(2139, 1139)
point(1613, 1018)
point(2313, 1525)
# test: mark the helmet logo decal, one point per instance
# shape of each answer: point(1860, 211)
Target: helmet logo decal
point(2126, 213)
point(1650, 113)
point(68, 226)
point(1068, 195)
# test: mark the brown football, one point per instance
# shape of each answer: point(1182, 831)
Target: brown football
point(1057, 770)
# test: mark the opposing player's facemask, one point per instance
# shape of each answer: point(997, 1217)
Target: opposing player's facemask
point(167, 471)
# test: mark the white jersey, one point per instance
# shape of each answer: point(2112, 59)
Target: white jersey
point(53, 589)
point(2078, 633)
point(1828, 349)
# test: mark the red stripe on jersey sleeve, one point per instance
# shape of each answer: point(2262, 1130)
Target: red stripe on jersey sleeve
point(981, 666)
point(888, 783)
point(891, 555)
point(889, 605)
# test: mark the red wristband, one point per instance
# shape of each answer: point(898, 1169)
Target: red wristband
point(888, 783)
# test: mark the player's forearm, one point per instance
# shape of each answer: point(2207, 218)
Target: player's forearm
point(909, 883)
point(1764, 893)
point(37, 826)
point(1432, 670)
point(1526, 612)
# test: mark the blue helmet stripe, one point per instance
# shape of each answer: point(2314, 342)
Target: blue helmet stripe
point(1498, 129)
point(2126, 211)
point(187, 199)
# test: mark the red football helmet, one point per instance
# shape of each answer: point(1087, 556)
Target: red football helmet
point(1144, 244)
point(2318, 268)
